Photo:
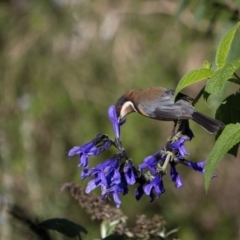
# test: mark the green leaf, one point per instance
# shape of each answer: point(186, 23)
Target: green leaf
point(63, 226)
point(216, 82)
point(229, 137)
point(171, 232)
point(229, 112)
point(104, 228)
point(224, 46)
point(114, 237)
point(193, 77)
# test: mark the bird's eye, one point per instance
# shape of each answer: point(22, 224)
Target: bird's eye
point(119, 108)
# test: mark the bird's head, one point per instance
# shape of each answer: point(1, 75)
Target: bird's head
point(124, 106)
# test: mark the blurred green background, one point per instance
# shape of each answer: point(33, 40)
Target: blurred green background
point(63, 63)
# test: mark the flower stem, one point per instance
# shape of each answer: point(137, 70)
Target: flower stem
point(199, 95)
point(118, 144)
point(164, 166)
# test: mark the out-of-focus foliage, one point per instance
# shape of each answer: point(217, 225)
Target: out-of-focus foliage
point(63, 226)
point(64, 62)
point(230, 136)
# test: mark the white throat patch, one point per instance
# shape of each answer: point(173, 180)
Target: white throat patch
point(127, 108)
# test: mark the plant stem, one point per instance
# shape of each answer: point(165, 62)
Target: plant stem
point(199, 95)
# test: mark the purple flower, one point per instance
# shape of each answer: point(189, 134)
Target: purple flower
point(139, 191)
point(105, 174)
point(116, 190)
point(129, 173)
point(107, 144)
point(112, 114)
point(94, 183)
point(156, 184)
point(93, 148)
point(197, 166)
point(106, 167)
point(79, 149)
point(175, 177)
point(151, 162)
point(179, 148)
point(84, 152)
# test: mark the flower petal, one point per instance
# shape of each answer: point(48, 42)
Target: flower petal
point(158, 185)
point(112, 114)
point(175, 177)
point(197, 166)
point(74, 151)
point(84, 173)
point(129, 174)
point(139, 192)
point(147, 188)
point(115, 190)
point(107, 145)
point(117, 199)
point(116, 179)
point(83, 160)
point(150, 162)
point(92, 185)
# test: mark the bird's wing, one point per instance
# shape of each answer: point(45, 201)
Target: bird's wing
point(165, 109)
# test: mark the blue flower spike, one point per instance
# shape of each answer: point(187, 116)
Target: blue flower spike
point(114, 175)
point(112, 114)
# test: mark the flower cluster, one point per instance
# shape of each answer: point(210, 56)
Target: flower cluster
point(115, 174)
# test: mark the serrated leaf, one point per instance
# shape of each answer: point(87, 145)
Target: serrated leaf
point(193, 77)
point(114, 237)
point(229, 137)
point(233, 80)
point(224, 46)
point(229, 112)
point(63, 226)
point(216, 83)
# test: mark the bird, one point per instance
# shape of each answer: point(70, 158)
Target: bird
point(159, 103)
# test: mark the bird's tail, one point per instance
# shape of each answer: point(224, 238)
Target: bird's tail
point(210, 124)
